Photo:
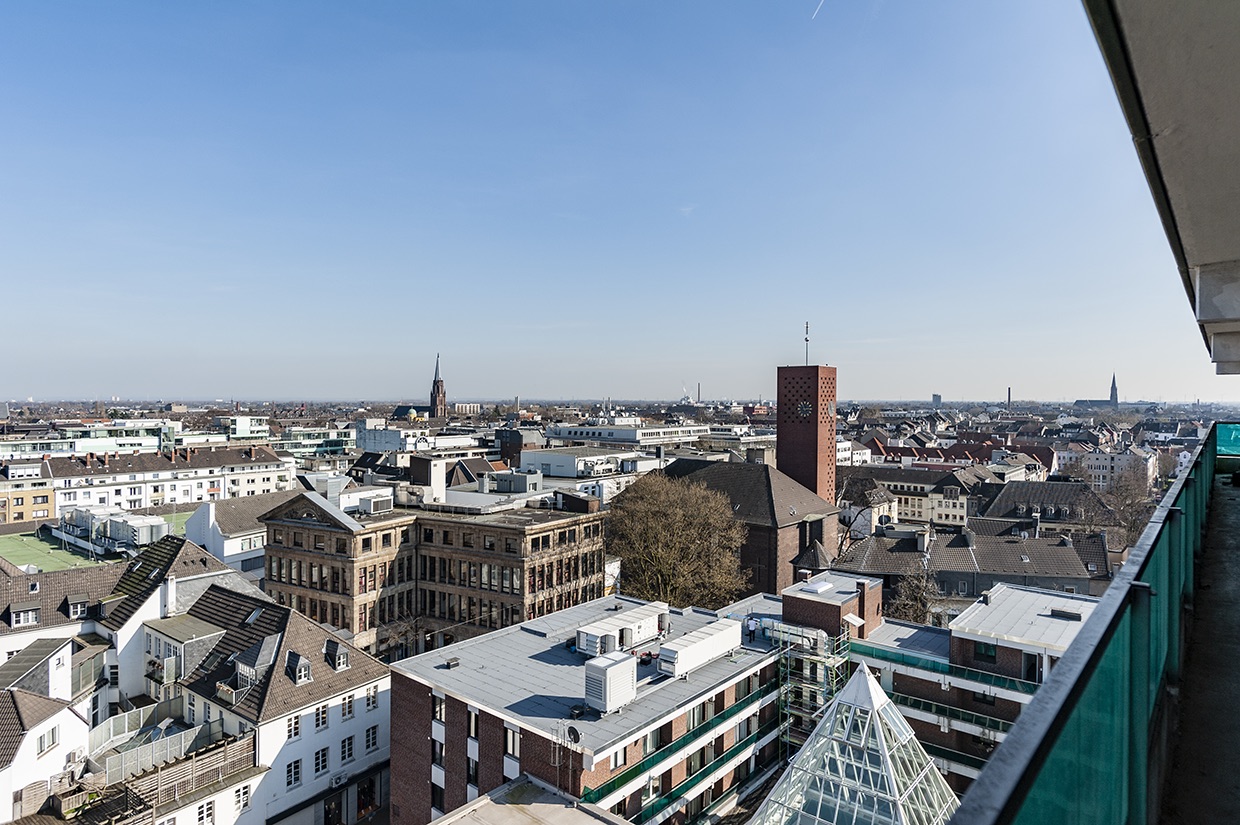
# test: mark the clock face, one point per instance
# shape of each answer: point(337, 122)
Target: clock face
point(805, 409)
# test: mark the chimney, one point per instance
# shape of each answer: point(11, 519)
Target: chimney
point(1037, 525)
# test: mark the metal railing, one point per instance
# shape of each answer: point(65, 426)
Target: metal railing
point(1091, 745)
point(682, 790)
point(979, 719)
point(939, 666)
point(702, 731)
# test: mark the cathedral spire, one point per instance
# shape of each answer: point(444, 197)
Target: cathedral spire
point(1114, 391)
point(437, 369)
point(439, 399)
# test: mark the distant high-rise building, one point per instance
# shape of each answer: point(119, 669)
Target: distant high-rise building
point(439, 399)
point(805, 434)
point(936, 400)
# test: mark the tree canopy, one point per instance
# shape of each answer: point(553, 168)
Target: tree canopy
point(677, 542)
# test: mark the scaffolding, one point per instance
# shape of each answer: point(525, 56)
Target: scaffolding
point(813, 667)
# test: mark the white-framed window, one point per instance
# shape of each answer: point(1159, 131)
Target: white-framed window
point(346, 707)
point(512, 743)
point(320, 761)
point(372, 738)
point(320, 717)
point(294, 727)
point(77, 610)
point(292, 774)
point(23, 618)
point(372, 697)
point(48, 739)
point(346, 749)
point(206, 813)
point(618, 759)
point(172, 820)
point(241, 796)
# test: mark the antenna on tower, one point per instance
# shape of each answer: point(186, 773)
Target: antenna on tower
point(807, 343)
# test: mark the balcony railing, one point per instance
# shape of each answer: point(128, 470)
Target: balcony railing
point(978, 719)
point(939, 666)
point(1090, 746)
point(709, 728)
point(682, 790)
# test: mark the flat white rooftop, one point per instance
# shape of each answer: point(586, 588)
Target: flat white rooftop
point(1028, 615)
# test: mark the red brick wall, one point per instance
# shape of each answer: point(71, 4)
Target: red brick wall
point(809, 612)
point(1008, 660)
point(411, 751)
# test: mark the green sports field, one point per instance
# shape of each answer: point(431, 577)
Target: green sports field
point(46, 555)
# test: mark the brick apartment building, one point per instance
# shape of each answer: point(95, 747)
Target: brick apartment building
point(482, 712)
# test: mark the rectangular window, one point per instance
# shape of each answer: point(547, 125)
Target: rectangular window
point(471, 771)
point(512, 743)
point(985, 652)
point(320, 761)
point(206, 813)
point(48, 740)
point(346, 749)
point(292, 774)
point(437, 752)
point(437, 708)
point(437, 797)
point(372, 697)
point(241, 796)
point(346, 707)
point(294, 727)
point(473, 724)
point(619, 759)
point(320, 717)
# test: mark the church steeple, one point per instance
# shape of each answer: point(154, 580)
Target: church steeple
point(1114, 392)
point(439, 399)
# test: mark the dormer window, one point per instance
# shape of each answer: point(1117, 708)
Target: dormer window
point(25, 615)
point(342, 660)
point(77, 610)
point(303, 672)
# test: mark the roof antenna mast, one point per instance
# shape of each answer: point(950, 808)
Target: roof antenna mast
point(807, 343)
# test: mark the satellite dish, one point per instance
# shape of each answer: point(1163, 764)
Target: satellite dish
point(574, 735)
point(884, 519)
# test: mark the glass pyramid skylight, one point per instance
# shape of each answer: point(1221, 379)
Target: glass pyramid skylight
point(861, 765)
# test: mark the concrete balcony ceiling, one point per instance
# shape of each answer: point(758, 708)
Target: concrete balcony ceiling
point(1176, 71)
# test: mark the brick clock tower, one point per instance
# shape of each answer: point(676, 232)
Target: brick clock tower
point(805, 436)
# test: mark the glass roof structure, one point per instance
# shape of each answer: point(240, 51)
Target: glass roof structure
point(861, 765)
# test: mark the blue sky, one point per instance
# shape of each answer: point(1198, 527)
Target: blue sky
point(577, 199)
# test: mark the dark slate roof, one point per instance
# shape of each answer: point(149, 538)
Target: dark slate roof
point(1085, 506)
point(196, 458)
point(278, 635)
point(235, 516)
point(55, 587)
point(170, 556)
point(813, 557)
point(961, 552)
point(20, 710)
point(27, 659)
point(759, 493)
point(860, 490)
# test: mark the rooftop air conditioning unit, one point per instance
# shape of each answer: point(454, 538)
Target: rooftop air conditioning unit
point(717, 639)
point(611, 681)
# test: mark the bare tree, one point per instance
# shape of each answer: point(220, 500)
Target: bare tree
point(677, 542)
point(917, 597)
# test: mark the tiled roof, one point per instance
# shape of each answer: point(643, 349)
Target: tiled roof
point(759, 493)
point(199, 458)
point(170, 556)
point(54, 588)
point(278, 635)
point(235, 516)
point(1002, 555)
point(1084, 504)
point(21, 710)
point(814, 557)
point(864, 491)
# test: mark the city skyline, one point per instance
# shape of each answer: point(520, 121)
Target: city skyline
point(581, 201)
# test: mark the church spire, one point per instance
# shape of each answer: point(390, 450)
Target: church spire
point(1114, 391)
point(439, 399)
